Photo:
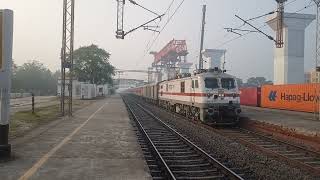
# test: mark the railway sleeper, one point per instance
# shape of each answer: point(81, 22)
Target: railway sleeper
point(203, 178)
point(185, 161)
point(181, 157)
point(172, 146)
point(167, 142)
point(182, 150)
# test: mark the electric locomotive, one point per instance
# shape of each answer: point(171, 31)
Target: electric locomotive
point(210, 96)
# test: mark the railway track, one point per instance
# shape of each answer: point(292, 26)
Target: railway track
point(292, 154)
point(174, 156)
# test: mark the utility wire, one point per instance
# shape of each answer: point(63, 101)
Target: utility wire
point(242, 25)
point(165, 25)
point(135, 3)
point(269, 13)
point(149, 41)
point(236, 38)
point(251, 19)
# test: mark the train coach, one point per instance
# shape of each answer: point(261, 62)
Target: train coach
point(210, 96)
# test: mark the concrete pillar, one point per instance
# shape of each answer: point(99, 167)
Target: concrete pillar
point(213, 58)
point(289, 60)
point(6, 34)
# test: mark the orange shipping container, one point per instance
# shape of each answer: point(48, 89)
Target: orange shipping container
point(295, 97)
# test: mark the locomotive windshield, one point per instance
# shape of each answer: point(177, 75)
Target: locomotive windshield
point(211, 83)
point(228, 83)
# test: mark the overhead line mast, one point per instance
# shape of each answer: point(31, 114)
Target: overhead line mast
point(318, 37)
point(318, 49)
point(204, 9)
point(67, 55)
point(280, 11)
point(120, 33)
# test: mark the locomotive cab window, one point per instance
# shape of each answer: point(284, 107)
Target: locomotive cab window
point(182, 87)
point(228, 83)
point(196, 84)
point(211, 83)
point(192, 84)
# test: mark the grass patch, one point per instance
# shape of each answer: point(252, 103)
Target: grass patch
point(25, 120)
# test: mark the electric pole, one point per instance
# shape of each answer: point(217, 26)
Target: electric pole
point(204, 8)
point(318, 51)
point(280, 11)
point(67, 55)
point(6, 37)
point(120, 11)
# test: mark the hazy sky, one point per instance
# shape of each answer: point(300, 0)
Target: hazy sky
point(38, 27)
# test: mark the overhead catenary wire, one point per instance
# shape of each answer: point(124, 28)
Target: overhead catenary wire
point(238, 37)
point(165, 25)
point(135, 3)
point(166, 12)
point(255, 18)
point(248, 31)
point(162, 29)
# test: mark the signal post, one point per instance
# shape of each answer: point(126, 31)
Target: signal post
point(6, 36)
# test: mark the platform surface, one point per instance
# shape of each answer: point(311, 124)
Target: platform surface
point(97, 143)
point(304, 123)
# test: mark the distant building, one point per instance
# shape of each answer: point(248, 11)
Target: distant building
point(312, 77)
point(315, 77)
point(307, 77)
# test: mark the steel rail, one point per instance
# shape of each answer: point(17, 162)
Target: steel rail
point(214, 161)
point(278, 143)
point(166, 168)
point(291, 161)
point(283, 142)
point(222, 168)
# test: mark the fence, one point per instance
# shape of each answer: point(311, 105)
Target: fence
point(19, 95)
point(32, 103)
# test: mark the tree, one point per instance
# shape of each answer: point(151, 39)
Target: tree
point(257, 82)
point(34, 77)
point(92, 65)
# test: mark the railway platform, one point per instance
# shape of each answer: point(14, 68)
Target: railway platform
point(300, 122)
point(97, 143)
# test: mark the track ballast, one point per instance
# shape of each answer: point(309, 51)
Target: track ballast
point(176, 156)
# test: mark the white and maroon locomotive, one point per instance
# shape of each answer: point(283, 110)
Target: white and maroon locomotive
point(210, 96)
